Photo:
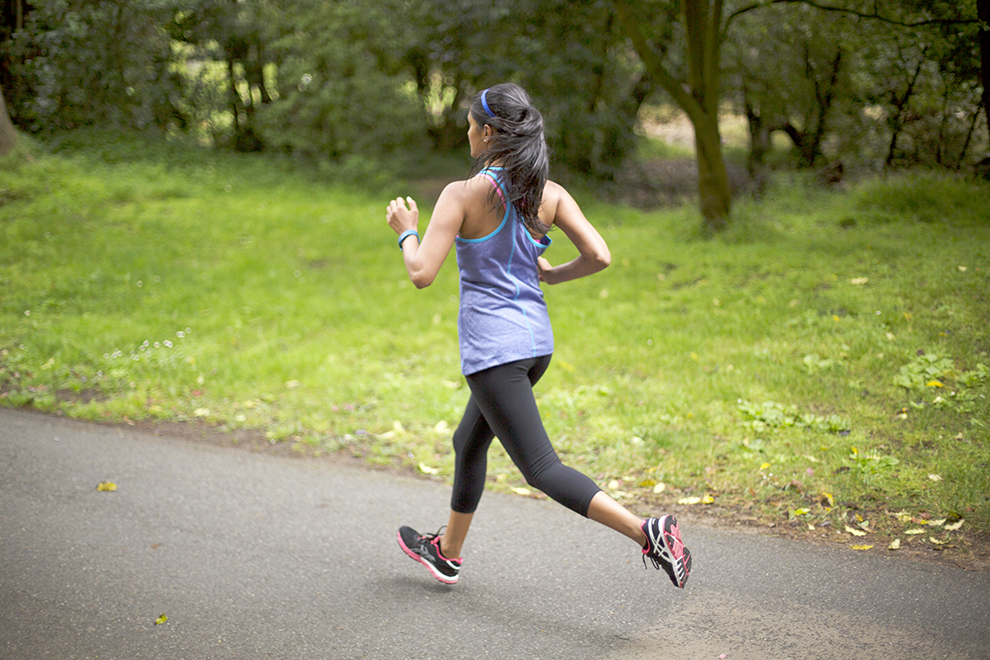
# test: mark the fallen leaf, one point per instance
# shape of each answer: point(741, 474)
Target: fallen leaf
point(859, 280)
point(935, 477)
point(659, 488)
point(916, 530)
point(161, 619)
point(201, 412)
point(902, 516)
point(441, 427)
point(707, 499)
point(861, 547)
point(426, 469)
point(954, 526)
point(935, 383)
point(937, 523)
point(894, 545)
point(854, 531)
point(521, 491)
point(936, 541)
point(689, 500)
point(106, 486)
point(801, 512)
point(613, 484)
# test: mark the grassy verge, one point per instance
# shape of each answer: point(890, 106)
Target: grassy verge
point(823, 365)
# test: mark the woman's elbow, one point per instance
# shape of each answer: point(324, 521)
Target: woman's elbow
point(603, 258)
point(421, 280)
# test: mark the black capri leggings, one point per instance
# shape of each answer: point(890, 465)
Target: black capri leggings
point(502, 404)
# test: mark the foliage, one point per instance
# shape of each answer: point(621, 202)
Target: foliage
point(890, 84)
point(587, 84)
point(340, 92)
point(770, 415)
point(872, 83)
point(808, 91)
point(93, 62)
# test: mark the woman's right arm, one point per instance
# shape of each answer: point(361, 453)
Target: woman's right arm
point(593, 254)
point(424, 259)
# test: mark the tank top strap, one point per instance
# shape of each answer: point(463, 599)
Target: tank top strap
point(493, 174)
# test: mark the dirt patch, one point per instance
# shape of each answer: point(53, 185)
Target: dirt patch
point(665, 183)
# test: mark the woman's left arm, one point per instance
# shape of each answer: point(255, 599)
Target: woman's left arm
point(424, 259)
point(593, 253)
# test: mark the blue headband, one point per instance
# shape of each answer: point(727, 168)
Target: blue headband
point(484, 104)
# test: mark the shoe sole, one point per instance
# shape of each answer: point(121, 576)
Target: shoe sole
point(433, 571)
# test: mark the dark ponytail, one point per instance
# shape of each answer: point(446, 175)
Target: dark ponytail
point(518, 145)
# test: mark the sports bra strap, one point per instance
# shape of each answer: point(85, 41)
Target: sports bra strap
point(498, 187)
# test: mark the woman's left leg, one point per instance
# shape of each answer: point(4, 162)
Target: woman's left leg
point(605, 510)
point(504, 395)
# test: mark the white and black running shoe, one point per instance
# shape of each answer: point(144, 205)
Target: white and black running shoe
point(666, 550)
point(425, 548)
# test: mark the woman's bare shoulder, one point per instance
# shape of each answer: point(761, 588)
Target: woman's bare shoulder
point(467, 189)
point(553, 189)
point(553, 195)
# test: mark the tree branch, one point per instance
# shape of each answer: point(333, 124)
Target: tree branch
point(874, 15)
point(654, 65)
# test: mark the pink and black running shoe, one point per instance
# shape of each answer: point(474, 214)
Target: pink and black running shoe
point(425, 548)
point(666, 550)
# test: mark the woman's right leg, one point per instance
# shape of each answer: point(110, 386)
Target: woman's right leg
point(471, 441)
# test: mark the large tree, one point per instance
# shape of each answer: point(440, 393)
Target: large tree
point(697, 94)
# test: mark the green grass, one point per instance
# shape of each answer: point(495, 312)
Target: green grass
point(825, 358)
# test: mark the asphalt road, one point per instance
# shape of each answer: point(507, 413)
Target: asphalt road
point(256, 556)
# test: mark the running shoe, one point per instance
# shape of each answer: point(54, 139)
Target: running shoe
point(425, 548)
point(666, 550)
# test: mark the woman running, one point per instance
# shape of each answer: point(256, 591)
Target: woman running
point(499, 220)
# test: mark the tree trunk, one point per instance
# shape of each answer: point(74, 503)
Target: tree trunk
point(713, 178)
point(698, 97)
point(8, 136)
point(814, 133)
point(900, 104)
point(983, 12)
point(759, 136)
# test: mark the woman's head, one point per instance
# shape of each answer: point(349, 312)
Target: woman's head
point(515, 141)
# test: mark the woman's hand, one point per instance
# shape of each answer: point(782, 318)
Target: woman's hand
point(400, 217)
point(545, 269)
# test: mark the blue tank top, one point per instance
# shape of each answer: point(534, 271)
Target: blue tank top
point(502, 317)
